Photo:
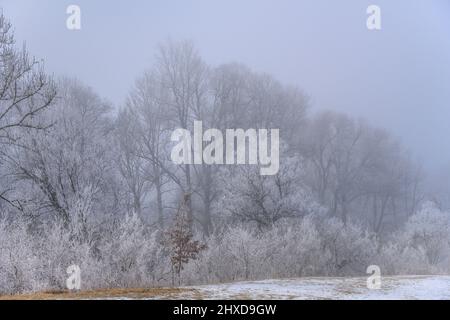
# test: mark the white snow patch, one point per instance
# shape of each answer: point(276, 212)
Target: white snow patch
point(392, 288)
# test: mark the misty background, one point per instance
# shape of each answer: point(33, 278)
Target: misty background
point(397, 78)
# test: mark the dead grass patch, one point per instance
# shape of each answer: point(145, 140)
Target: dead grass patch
point(138, 293)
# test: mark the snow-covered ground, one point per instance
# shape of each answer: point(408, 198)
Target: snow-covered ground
point(400, 287)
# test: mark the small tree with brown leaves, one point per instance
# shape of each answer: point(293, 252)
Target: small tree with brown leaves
point(181, 241)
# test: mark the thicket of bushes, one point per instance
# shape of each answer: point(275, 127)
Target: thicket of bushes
point(130, 255)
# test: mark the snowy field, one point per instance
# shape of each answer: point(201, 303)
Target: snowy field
point(404, 287)
point(392, 288)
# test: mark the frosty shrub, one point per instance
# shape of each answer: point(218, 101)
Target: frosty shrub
point(18, 262)
point(346, 248)
point(129, 253)
point(428, 234)
point(57, 248)
point(132, 255)
point(291, 248)
point(396, 258)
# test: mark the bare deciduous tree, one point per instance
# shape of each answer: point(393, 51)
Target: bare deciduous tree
point(25, 90)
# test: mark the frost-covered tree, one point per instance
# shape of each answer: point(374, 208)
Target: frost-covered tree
point(429, 231)
point(150, 122)
point(132, 167)
point(67, 171)
point(359, 172)
point(263, 200)
point(25, 93)
point(25, 90)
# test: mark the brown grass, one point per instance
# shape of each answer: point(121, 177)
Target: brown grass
point(139, 293)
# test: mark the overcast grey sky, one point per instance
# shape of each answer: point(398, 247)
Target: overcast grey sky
point(397, 78)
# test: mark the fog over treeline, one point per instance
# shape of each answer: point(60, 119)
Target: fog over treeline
point(397, 77)
point(92, 183)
